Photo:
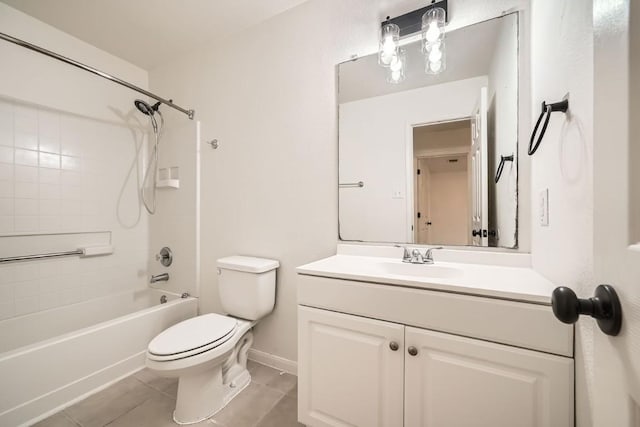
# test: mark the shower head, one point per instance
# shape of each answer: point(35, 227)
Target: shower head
point(145, 108)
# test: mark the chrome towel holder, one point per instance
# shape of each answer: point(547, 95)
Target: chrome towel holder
point(547, 109)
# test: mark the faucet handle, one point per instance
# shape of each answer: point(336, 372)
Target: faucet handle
point(406, 256)
point(428, 255)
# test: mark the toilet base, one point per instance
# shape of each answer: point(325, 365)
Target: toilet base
point(202, 393)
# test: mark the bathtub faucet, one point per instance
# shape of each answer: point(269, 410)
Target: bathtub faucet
point(159, 278)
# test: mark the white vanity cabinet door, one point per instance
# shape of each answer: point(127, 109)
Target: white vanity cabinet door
point(461, 382)
point(348, 373)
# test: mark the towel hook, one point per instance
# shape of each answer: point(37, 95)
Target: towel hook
point(503, 160)
point(547, 109)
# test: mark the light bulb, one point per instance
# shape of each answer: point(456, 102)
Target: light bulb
point(396, 75)
point(436, 54)
point(435, 66)
point(388, 46)
point(433, 32)
point(396, 64)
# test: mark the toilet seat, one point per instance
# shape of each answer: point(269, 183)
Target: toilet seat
point(192, 337)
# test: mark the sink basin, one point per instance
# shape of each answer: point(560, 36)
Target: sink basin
point(419, 270)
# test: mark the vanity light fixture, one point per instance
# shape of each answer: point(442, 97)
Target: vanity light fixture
point(389, 42)
point(433, 23)
point(430, 21)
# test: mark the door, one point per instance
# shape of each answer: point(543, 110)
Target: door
point(351, 370)
point(423, 206)
point(479, 173)
point(617, 202)
point(451, 381)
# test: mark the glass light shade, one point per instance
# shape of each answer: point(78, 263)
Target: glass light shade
point(388, 48)
point(433, 26)
point(435, 58)
point(397, 67)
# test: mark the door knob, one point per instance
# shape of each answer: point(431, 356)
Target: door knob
point(394, 346)
point(412, 351)
point(604, 307)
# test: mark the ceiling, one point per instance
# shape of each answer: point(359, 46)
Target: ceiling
point(148, 32)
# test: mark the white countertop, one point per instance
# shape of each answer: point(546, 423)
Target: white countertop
point(495, 281)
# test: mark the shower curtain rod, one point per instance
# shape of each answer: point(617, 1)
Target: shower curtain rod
point(95, 71)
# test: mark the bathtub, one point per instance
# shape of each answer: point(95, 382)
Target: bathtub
point(53, 358)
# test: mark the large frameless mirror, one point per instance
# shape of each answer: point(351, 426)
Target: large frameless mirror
point(432, 159)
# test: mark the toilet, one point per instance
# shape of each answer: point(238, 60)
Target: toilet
point(208, 353)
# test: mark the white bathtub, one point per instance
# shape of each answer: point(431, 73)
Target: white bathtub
point(55, 357)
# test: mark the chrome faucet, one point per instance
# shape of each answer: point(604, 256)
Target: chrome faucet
point(164, 277)
point(416, 257)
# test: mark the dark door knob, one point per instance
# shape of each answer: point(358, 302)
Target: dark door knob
point(394, 346)
point(413, 351)
point(475, 233)
point(604, 306)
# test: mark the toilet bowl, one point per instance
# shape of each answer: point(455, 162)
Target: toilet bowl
point(208, 353)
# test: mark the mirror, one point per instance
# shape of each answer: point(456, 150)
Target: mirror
point(418, 160)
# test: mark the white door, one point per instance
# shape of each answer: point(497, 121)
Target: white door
point(479, 173)
point(616, 201)
point(423, 205)
point(451, 381)
point(351, 370)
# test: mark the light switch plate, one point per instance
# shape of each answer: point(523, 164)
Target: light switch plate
point(544, 208)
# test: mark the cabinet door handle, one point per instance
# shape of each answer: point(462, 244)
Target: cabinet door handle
point(394, 346)
point(413, 351)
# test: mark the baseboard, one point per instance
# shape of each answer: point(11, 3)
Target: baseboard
point(286, 365)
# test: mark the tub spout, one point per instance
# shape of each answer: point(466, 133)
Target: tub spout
point(159, 278)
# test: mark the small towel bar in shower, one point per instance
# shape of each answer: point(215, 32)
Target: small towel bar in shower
point(358, 184)
point(82, 252)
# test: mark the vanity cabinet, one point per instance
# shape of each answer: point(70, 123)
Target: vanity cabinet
point(361, 366)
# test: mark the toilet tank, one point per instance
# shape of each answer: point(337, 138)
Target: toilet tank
point(247, 286)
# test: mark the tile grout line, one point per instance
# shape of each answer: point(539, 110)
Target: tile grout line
point(270, 409)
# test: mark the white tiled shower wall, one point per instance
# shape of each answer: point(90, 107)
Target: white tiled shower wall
point(61, 174)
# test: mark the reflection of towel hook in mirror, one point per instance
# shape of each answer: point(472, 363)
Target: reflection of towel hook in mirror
point(547, 109)
point(213, 143)
point(503, 160)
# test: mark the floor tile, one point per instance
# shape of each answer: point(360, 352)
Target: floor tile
point(57, 420)
point(283, 382)
point(110, 403)
point(154, 412)
point(294, 391)
point(249, 407)
point(154, 380)
point(262, 374)
point(284, 414)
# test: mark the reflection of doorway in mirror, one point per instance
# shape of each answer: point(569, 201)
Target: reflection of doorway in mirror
point(442, 179)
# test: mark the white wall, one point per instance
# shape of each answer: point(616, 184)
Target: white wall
point(503, 95)
point(68, 164)
point(562, 52)
point(374, 135)
point(269, 96)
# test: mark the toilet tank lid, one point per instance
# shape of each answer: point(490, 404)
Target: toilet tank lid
point(248, 264)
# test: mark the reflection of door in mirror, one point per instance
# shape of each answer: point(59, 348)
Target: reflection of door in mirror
point(479, 176)
point(442, 175)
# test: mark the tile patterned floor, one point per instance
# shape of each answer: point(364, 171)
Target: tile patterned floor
point(146, 400)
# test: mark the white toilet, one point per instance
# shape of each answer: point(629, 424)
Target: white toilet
point(208, 353)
